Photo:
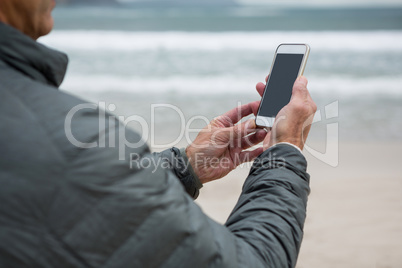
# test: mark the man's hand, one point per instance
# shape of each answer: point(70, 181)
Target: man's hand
point(220, 147)
point(293, 122)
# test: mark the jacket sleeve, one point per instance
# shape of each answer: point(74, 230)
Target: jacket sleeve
point(269, 217)
point(177, 161)
point(265, 229)
point(121, 213)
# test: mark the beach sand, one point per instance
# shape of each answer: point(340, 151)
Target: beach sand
point(354, 216)
point(354, 210)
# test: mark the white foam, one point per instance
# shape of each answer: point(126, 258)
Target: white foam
point(350, 86)
point(133, 41)
point(336, 85)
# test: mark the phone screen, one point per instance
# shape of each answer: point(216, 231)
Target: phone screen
point(279, 88)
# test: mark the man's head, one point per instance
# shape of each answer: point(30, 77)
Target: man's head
point(32, 17)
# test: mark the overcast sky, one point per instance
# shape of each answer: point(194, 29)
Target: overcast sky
point(326, 2)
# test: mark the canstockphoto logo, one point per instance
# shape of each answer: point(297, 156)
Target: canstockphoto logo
point(331, 154)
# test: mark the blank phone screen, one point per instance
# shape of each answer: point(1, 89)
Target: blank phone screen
point(280, 84)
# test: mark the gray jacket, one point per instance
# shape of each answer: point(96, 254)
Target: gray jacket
point(66, 206)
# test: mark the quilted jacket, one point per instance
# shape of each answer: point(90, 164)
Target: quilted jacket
point(71, 197)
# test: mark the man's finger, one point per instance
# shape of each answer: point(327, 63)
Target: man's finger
point(300, 88)
point(244, 129)
point(254, 139)
point(260, 88)
point(235, 115)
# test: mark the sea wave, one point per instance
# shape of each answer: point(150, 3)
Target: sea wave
point(335, 86)
point(362, 41)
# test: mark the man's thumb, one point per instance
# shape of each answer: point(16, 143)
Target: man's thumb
point(300, 87)
point(243, 129)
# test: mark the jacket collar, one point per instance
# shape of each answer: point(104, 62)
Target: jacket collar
point(31, 58)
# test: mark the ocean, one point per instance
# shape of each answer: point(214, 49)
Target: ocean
point(175, 67)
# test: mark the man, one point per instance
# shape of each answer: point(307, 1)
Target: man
point(68, 206)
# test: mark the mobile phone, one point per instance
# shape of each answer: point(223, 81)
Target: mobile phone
point(288, 64)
